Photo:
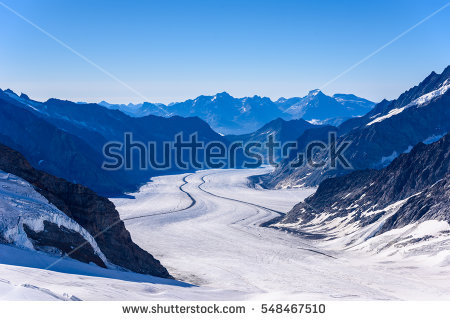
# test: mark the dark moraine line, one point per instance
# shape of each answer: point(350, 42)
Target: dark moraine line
point(318, 252)
point(193, 202)
point(266, 224)
point(235, 200)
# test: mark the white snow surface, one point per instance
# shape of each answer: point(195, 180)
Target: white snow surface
point(391, 113)
point(218, 245)
point(31, 275)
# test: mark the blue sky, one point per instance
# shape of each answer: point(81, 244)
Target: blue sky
point(174, 50)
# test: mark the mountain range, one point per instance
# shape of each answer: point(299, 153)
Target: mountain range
point(229, 115)
point(75, 133)
point(66, 139)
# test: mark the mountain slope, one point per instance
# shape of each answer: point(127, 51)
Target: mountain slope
point(55, 150)
point(95, 217)
point(412, 191)
point(282, 131)
point(322, 109)
point(357, 104)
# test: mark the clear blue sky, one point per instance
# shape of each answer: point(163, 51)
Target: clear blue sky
point(174, 50)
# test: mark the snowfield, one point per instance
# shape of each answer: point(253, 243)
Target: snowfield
point(205, 229)
point(31, 275)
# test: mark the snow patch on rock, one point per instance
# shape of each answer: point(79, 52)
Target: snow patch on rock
point(20, 204)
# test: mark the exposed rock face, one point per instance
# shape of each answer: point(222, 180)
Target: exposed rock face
point(433, 203)
point(418, 182)
point(65, 240)
point(286, 175)
point(94, 213)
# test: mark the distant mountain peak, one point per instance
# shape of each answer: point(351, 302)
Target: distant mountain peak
point(277, 120)
point(24, 96)
point(222, 94)
point(231, 115)
point(346, 96)
point(9, 91)
point(314, 92)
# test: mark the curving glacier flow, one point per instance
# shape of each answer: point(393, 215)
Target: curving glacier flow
point(219, 243)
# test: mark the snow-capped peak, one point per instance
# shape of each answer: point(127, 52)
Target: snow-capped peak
point(313, 92)
point(421, 101)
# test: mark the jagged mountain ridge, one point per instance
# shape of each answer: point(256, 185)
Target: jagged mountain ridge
point(420, 114)
point(236, 116)
point(322, 109)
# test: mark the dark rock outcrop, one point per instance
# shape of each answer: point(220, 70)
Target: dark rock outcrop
point(65, 240)
point(285, 170)
point(93, 212)
point(433, 203)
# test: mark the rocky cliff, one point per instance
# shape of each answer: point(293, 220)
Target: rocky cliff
point(414, 188)
point(94, 213)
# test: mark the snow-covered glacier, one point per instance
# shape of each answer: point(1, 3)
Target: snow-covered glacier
point(218, 250)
